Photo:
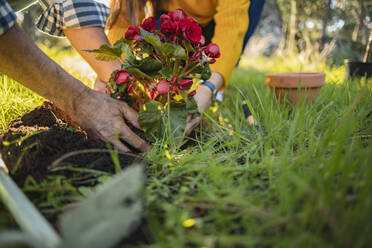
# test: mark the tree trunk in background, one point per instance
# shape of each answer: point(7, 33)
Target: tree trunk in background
point(368, 53)
point(325, 23)
point(291, 39)
point(364, 25)
point(361, 14)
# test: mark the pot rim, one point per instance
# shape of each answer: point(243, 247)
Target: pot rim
point(295, 79)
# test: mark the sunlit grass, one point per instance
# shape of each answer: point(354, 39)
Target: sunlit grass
point(72, 62)
point(303, 179)
point(16, 99)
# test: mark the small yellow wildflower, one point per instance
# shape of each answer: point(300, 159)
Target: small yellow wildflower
point(221, 120)
point(231, 132)
point(189, 223)
point(215, 107)
point(167, 154)
point(159, 108)
point(6, 143)
point(144, 107)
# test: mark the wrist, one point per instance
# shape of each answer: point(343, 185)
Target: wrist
point(71, 96)
point(217, 80)
point(205, 91)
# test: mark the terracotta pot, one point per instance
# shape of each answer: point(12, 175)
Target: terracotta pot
point(295, 86)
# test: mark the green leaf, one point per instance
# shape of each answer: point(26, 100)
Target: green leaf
point(166, 72)
point(110, 214)
point(107, 53)
point(154, 41)
point(191, 106)
point(145, 33)
point(206, 73)
point(137, 73)
point(150, 120)
point(145, 48)
point(150, 65)
point(188, 46)
point(177, 120)
point(167, 49)
point(112, 82)
point(179, 52)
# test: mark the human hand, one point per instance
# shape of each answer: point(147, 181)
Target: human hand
point(100, 86)
point(203, 98)
point(103, 118)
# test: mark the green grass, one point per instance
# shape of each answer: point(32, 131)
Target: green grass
point(304, 179)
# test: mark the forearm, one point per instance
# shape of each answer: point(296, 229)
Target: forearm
point(92, 38)
point(23, 61)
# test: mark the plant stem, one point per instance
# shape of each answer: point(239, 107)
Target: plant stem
point(175, 68)
point(192, 68)
point(192, 77)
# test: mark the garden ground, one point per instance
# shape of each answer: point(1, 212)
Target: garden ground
point(303, 179)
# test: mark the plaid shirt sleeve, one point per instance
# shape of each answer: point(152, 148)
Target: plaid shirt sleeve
point(65, 14)
point(7, 17)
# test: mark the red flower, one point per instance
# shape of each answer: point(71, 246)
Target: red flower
point(153, 93)
point(192, 31)
point(165, 18)
point(149, 24)
point(168, 27)
point(178, 25)
point(212, 61)
point(202, 41)
point(122, 77)
point(174, 79)
point(130, 86)
point(212, 51)
point(185, 84)
point(163, 87)
point(133, 33)
point(177, 15)
point(175, 89)
point(192, 93)
point(197, 55)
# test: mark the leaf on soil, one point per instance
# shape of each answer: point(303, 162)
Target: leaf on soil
point(108, 215)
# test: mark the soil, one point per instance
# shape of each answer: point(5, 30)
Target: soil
point(46, 134)
point(36, 143)
point(36, 139)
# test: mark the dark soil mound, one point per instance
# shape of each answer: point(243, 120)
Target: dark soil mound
point(41, 136)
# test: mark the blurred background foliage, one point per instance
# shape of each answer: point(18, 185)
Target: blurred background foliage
point(333, 29)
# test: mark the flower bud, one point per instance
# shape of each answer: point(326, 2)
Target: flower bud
point(149, 24)
point(133, 33)
point(122, 77)
point(163, 87)
point(130, 86)
point(185, 84)
point(192, 93)
point(153, 93)
point(212, 51)
point(177, 15)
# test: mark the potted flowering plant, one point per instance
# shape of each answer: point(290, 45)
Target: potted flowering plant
point(160, 70)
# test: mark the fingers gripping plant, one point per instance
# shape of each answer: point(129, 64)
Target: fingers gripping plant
point(159, 72)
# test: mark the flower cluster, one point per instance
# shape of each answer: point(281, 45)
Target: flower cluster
point(161, 66)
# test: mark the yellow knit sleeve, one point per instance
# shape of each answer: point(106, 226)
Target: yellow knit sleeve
point(117, 31)
point(231, 25)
